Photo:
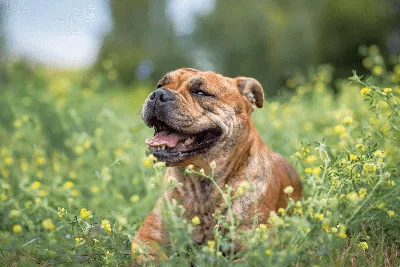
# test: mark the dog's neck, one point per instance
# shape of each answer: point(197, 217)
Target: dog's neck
point(228, 168)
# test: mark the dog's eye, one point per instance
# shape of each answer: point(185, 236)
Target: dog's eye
point(200, 92)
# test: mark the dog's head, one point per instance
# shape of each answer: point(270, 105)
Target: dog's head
point(199, 115)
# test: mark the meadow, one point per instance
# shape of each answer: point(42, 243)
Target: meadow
point(75, 181)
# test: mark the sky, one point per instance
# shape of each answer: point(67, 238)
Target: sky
point(68, 33)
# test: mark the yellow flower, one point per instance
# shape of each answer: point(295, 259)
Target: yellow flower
point(390, 213)
point(48, 224)
point(262, 227)
point(316, 171)
point(17, 123)
point(61, 212)
point(8, 161)
point(148, 161)
point(94, 189)
point(68, 185)
point(288, 190)
point(41, 161)
point(363, 245)
point(365, 91)
point(369, 167)
point(14, 213)
point(239, 191)
point(353, 197)
point(17, 228)
point(353, 157)
point(196, 220)
point(308, 170)
point(268, 252)
point(387, 90)
point(79, 149)
point(105, 224)
point(342, 235)
point(362, 192)
point(310, 159)
point(319, 216)
point(379, 153)
point(85, 214)
point(35, 185)
point(211, 244)
point(281, 210)
point(87, 144)
point(377, 70)
point(135, 198)
point(339, 129)
point(348, 120)
point(360, 147)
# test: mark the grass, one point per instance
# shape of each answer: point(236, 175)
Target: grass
point(75, 183)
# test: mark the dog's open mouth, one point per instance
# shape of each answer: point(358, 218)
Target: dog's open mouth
point(172, 145)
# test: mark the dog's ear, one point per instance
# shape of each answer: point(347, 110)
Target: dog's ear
point(252, 90)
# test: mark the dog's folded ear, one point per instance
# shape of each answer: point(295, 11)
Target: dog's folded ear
point(252, 90)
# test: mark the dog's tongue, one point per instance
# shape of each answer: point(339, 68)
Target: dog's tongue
point(165, 138)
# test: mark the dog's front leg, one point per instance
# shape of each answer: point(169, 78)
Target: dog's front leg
point(152, 234)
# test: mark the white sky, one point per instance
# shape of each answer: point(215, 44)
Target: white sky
point(68, 33)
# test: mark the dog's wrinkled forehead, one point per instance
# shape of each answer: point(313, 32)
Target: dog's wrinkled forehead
point(188, 77)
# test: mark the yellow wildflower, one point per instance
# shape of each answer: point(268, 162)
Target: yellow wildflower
point(35, 185)
point(319, 216)
point(387, 90)
point(363, 245)
point(362, 192)
point(360, 147)
point(135, 198)
point(377, 70)
point(268, 252)
point(48, 224)
point(17, 228)
point(85, 214)
point(79, 149)
point(365, 91)
point(68, 185)
point(281, 210)
point(196, 220)
point(87, 144)
point(308, 170)
point(149, 160)
point(369, 167)
point(41, 161)
point(211, 244)
point(353, 157)
point(61, 212)
point(105, 224)
point(288, 190)
point(8, 161)
point(348, 120)
point(17, 123)
point(390, 213)
point(14, 213)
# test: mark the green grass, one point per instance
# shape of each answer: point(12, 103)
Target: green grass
point(68, 142)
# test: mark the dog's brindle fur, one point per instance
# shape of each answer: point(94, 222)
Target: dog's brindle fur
point(239, 153)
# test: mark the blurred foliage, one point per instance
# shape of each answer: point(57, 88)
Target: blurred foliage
point(75, 184)
point(267, 40)
point(142, 36)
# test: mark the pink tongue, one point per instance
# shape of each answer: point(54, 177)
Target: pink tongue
point(164, 138)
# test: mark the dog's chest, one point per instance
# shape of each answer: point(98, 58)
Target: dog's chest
point(198, 196)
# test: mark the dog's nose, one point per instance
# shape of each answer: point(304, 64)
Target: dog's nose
point(162, 95)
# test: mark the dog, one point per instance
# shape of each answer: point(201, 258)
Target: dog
point(202, 117)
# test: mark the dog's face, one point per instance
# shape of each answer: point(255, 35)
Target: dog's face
point(199, 115)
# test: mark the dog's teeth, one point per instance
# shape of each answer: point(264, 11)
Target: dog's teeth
point(163, 147)
point(189, 141)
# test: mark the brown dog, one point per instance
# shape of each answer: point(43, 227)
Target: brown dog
point(200, 117)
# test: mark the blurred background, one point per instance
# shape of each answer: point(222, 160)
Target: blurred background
point(136, 42)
